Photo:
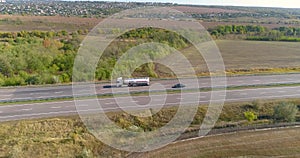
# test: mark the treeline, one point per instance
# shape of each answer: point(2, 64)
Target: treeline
point(251, 12)
point(41, 34)
point(254, 32)
point(276, 38)
point(222, 30)
point(37, 57)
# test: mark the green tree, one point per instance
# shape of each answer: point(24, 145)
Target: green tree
point(5, 67)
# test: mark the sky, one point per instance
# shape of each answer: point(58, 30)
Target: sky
point(260, 3)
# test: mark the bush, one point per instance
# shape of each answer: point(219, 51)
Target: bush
point(14, 81)
point(257, 105)
point(250, 116)
point(285, 112)
point(32, 80)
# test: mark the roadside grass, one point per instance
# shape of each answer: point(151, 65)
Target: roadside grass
point(53, 137)
point(232, 115)
point(68, 137)
point(263, 71)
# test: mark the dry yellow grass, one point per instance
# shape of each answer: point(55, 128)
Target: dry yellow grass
point(56, 137)
point(250, 57)
point(270, 143)
point(13, 23)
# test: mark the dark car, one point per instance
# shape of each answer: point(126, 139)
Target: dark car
point(179, 85)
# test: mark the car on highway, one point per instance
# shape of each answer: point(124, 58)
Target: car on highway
point(179, 85)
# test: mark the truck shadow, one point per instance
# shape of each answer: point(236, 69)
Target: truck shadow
point(108, 86)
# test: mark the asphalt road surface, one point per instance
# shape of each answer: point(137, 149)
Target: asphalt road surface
point(49, 109)
point(27, 93)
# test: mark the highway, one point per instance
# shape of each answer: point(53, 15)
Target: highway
point(59, 108)
point(31, 93)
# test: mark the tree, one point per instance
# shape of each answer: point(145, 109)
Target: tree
point(5, 67)
point(285, 112)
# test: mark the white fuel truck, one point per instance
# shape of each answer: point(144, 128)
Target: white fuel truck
point(133, 82)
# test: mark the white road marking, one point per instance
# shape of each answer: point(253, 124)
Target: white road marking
point(282, 91)
point(83, 105)
point(158, 99)
point(273, 88)
point(6, 95)
point(84, 91)
point(59, 92)
point(32, 93)
point(37, 114)
point(250, 98)
point(109, 103)
point(25, 109)
point(55, 107)
point(243, 93)
point(46, 96)
point(27, 98)
point(44, 103)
